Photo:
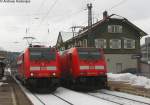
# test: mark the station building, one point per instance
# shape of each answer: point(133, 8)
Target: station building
point(119, 38)
point(145, 51)
point(145, 59)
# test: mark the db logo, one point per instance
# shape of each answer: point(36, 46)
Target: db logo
point(42, 64)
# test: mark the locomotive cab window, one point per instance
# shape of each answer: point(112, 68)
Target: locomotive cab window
point(89, 54)
point(42, 54)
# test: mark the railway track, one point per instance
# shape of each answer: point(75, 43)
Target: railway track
point(104, 99)
point(117, 99)
point(40, 98)
point(142, 102)
point(61, 98)
point(44, 102)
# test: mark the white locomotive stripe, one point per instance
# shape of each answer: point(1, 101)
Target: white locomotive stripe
point(99, 67)
point(84, 67)
point(51, 68)
point(39, 68)
point(35, 68)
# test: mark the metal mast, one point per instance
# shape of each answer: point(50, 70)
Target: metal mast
point(89, 39)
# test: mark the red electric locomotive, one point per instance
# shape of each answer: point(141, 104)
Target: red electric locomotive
point(38, 68)
point(84, 67)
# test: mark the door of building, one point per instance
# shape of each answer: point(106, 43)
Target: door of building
point(118, 67)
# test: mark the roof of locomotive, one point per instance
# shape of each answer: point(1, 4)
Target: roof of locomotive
point(81, 49)
point(85, 48)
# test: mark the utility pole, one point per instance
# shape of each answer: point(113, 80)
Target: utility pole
point(29, 40)
point(89, 6)
point(73, 32)
point(73, 40)
point(90, 39)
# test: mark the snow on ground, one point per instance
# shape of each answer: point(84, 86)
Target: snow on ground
point(126, 95)
point(50, 99)
point(1, 83)
point(73, 97)
point(130, 78)
point(78, 98)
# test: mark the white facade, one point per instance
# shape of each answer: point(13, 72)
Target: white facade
point(117, 63)
point(147, 43)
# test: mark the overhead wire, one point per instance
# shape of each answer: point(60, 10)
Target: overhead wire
point(52, 6)
point(49, 10)
point(118, 4)
point(42, 4)
point(109, 9)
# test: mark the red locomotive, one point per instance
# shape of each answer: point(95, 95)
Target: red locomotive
point(84, 67)
point(38, 68)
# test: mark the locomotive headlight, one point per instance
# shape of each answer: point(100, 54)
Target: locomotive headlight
point(31, 74)
point(54, 74)
point(99, 67)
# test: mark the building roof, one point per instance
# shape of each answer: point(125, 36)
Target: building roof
point(64, 36)
point(68, 36)
point(115, 17)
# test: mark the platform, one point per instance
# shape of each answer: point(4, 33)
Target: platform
point(11, 94)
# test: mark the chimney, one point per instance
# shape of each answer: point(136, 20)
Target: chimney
point(105, 14)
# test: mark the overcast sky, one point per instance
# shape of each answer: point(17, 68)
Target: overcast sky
point(59, 15)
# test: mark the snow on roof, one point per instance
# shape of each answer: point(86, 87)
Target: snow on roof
point(130, 78)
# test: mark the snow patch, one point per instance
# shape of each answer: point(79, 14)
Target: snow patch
point(130, 78)
point(4, 78)
point(1, 83)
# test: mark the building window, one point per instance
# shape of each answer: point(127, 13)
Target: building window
point(100, 43)
point(80, 43)
point(84, 43)
point(114, 28)
point(115, 43)
point(129, 44)
point(69, 46)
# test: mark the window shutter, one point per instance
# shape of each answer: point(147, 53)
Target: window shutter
point(125, 43)
point(110, 44)
point(109, 28)
point(119, 44)
point(120, 29)
point(85, 42)
point(96, 43)
point(104, 43)
point(133, 44)
point(101, 43)
point(80, 43)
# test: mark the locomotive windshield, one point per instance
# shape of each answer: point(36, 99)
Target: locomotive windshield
point(88, 54)
point(42, 54)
